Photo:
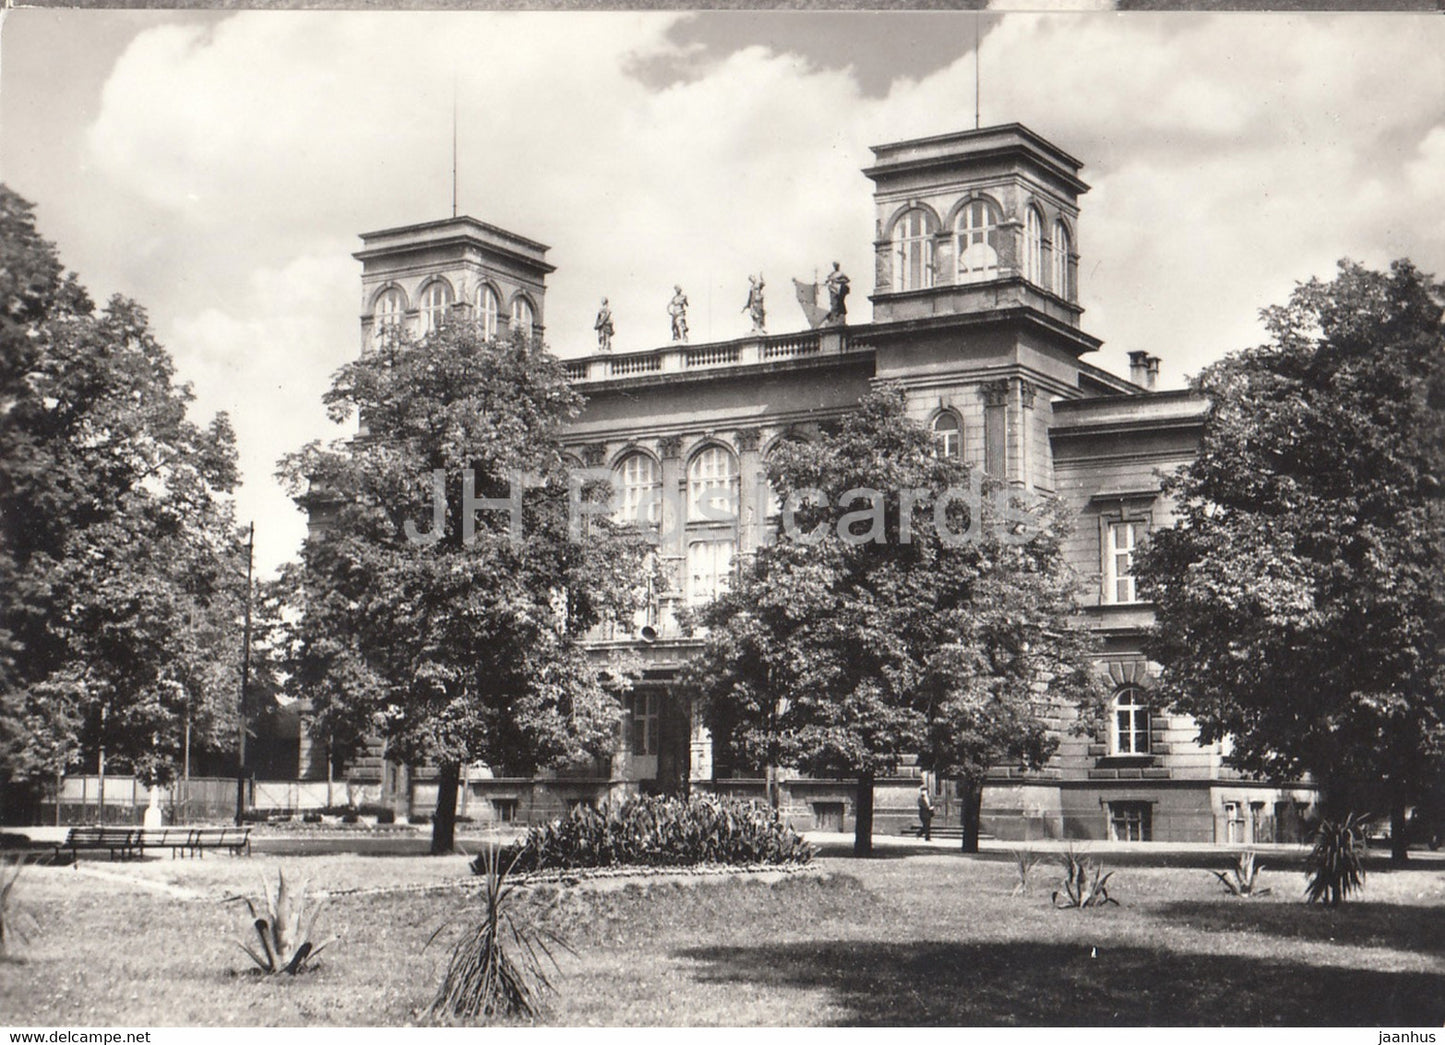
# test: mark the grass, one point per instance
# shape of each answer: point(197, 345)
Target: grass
point(931, 938)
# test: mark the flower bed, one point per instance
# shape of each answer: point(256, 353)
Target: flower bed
point(659, 832)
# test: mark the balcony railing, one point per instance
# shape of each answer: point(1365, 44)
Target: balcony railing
point(712, 355)
point(622, 366)
point(792, 345)
point(679, 358)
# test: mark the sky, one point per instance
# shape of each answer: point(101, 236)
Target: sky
point(218, 167)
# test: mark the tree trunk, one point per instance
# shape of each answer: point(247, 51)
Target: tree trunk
point(863, 822)
point(971, 797)
point(444, 820)
point(1399, 834)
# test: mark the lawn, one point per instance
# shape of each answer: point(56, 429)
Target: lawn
point(911, 937)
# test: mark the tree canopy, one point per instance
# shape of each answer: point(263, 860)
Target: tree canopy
point(454, 648)
point(120, 563)
point(861, 635)
point(1301, 592)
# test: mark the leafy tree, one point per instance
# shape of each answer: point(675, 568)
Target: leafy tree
point(1013, 669)
point(1300, 595)
point(118, 551)
point(453, 649)
point(839, 655)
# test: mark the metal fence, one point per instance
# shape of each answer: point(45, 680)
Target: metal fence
point(124, 799)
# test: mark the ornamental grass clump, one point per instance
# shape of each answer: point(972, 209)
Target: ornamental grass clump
point(660, 832)
point(1025, 860)
point(1336, 865)
point(1242, 879)
point(283, 921)
point(499, 966)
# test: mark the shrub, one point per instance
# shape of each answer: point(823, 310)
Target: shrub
point(1336, 863)
point(283, 926)
point(496, 968)
point(1085, 884)
point(660, 832)
point(15, 921)
point(1242, 879)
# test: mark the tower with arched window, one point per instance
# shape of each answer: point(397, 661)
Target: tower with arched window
point(421, 278)
point(975, 220)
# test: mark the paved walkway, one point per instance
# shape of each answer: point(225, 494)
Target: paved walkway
point(1179, 854)
point(417, 842)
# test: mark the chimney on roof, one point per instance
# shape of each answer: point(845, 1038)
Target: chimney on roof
point(1139, 368)
point(1151, 372)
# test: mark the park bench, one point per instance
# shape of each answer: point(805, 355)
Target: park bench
point(124, 841)
point(176, 839)
point(235, 839)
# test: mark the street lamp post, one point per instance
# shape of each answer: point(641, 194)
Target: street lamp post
point(245, 686)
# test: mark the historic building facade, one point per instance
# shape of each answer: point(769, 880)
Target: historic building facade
point(975, 313)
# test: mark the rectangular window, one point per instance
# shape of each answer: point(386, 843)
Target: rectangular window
point(709, 570)
point(1120, 540)
point(504, 810)
point(1234, 823)
point(1261, 824)
point(643, 714)
point(1129, 822)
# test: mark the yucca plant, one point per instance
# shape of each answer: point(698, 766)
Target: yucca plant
point(283, 921)
point(1242, 879)
point(16, 923)
point(1336, 863)
point(499, 966)
point(1025, 860)
point(1085, 883)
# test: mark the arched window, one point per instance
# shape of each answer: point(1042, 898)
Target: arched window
point(947, 436)
point(436, 298)
point(712, 485)
point(639, 483)
point(913, 251)
point(1062, 247)
point(488, 308)
point(772, 500)
point(388, 313)
point(523, 318)
point(1034, 270)
point(1129, 723)
point(977, 233)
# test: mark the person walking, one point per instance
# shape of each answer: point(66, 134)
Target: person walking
point(925, 813)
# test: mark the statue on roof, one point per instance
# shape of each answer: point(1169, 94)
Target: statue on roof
point(837, 284)
point(603, 326)
point(754, 307)
point(677, 312)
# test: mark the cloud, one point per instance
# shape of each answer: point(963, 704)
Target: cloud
point(1230, 156)
point(266, 359)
